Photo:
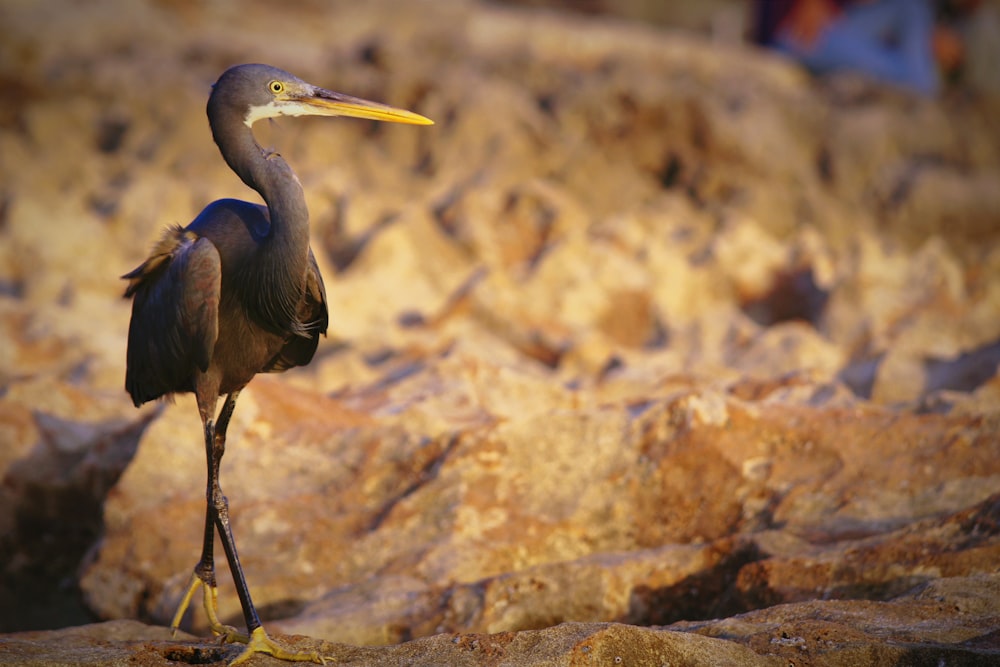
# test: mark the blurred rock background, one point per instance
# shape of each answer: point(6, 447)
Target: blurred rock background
point(650, 327)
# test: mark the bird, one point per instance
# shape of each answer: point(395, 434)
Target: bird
point(235, 293)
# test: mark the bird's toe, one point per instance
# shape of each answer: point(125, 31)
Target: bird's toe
point(260, 642)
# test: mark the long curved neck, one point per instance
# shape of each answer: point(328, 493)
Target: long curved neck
point(275, 280)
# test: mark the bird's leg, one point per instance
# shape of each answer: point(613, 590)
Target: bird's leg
point(204, 572)
point(258, 640)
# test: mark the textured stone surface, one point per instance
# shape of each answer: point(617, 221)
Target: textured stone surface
point(646, 330)
point(131, 643)
point(950, 621)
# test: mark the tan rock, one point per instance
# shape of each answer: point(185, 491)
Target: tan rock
point(881, 566)
point(809, 633)
point(473, 503)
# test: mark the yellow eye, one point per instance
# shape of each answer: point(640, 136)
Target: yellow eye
point(276, 87)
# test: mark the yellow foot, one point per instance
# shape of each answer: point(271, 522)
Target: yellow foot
point(211, 601)
point(261, 643)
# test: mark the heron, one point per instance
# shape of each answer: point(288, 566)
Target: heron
point(235, 293)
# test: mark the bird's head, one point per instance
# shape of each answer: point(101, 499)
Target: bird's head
point(262, 91)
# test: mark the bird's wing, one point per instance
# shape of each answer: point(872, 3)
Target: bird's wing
point(175, 315)
point(315, 314)
point(299, 350)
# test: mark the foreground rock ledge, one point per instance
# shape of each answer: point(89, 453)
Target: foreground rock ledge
point(132, 643)
point(952, 621)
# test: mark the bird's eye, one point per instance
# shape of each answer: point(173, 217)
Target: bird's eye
point(276, 87)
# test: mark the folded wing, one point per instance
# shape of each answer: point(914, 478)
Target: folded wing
point(175, 315)
point(299, 350)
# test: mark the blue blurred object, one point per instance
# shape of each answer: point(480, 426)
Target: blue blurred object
point(890, 40)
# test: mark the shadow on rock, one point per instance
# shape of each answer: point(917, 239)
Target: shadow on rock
point(56, 496)
point(707, 594)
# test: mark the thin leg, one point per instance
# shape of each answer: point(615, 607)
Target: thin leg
point(217, 517)
point(204, 571)
point(220, 506)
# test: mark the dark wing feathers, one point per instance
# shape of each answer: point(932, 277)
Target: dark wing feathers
point(299, 350)
point(317, 319)
point(201, 272)
point(175, 315)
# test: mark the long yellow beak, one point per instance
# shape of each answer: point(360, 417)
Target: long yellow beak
point(328, 103)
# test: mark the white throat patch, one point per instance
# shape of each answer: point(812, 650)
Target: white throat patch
point(273, 109)
point(255, 113)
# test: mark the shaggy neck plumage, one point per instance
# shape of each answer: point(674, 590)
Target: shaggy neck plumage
point(274, 285)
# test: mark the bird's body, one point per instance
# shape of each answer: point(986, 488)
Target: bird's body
point(235, 293)
point(232, 322)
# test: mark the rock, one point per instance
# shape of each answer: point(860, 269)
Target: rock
point(855, 632)
point(881, 566)
point(650, 586)
point(128, 642)
point(807, 633)
point(64, 449)
point(455, 509)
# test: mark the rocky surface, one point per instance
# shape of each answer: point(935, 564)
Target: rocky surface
point(651, 348)
point(951, 621)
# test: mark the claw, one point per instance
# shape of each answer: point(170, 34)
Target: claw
point(260, 642)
